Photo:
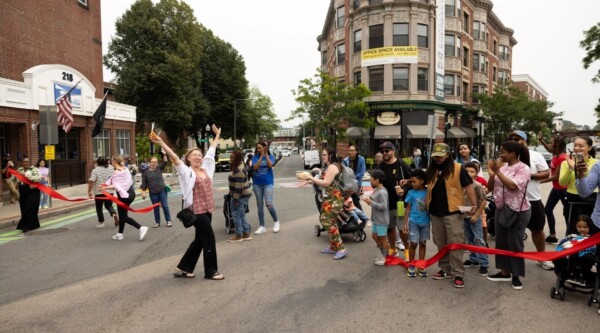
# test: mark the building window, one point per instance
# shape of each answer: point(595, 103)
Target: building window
point(356, 4)
point(376, 79)
point(503, 55)
point(465, 89)
point(68, 145)
point(357, 78)
point(494, 71)
point(340, 17)
point(341, 54)
point(465, 57)
point(466, 22)
point(477, 89)
point(400, 78)
point(479, 62)
point(375, 2)
point(422, 82)
point(376, 36)
point(102, 144)
point(357, 41)
point(495, 50)
point(123, 143)
point(451, 9)
point(478, 30)
point(449, 84)
point(400, 34)
point(324, 58)
point(503, 77)
point(422, 35)
point(452, 46)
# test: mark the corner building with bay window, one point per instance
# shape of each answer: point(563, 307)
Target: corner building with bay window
point(422, 60)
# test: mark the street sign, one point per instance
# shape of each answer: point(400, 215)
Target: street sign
point(203, 140)
point(50, 152)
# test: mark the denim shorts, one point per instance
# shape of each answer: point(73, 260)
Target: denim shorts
point(418, 232)
point(379, 229)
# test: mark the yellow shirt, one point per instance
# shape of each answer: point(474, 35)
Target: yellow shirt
point(567, 177)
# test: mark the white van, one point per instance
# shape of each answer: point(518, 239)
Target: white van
point(311, 159)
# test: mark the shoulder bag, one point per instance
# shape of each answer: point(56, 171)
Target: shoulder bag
point(508, 217)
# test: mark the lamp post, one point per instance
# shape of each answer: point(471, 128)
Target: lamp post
point(207, 129)
point(235, 118)
point(481, 116)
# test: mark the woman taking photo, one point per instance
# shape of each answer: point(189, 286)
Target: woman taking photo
point(263, 181)
point(44, 179)
point(195, 177)
point(508, 180)
point(99, 176)
point(333, 202)
point(240, 193)
point(122, 183)
point(29, 197)
point(576, 204)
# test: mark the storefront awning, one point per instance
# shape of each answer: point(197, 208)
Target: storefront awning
point(456, 133)
point(470, 132)
point(387, 132)
point(422, 132)
point(357, 132)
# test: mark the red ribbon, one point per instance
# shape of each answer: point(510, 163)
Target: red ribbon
point(49, 191)
point(539, 256)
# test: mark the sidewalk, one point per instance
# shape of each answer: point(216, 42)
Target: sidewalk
point(10, 214)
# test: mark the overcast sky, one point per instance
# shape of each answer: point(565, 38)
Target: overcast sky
point(277, 39)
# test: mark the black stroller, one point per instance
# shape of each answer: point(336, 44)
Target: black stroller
point(229, 224)
point(577, 274)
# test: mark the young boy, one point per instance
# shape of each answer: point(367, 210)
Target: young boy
point(379, 215)
point(358, 215)
point(416, 220)
point(473, 228)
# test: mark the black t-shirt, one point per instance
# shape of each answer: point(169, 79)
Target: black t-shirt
point(439, 199)
point(393, 174)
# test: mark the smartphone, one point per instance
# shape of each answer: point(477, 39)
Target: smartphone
point(578, 157)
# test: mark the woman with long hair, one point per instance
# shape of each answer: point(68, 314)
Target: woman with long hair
point(122, 182)
point(99, 176)
point(195, 174)
point(508, 180)
point(263, 183)
point(44, 179)
point(333, 202)
point(240, 193)
point(29, 197)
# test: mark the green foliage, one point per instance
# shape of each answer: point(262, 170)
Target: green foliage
point(330, 104)
point(256, 117)
point(591, 45)
point(142, 147)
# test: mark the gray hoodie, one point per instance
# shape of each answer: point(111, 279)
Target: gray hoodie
point(379, 207)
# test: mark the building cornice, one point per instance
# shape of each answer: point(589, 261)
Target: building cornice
point(530, 81)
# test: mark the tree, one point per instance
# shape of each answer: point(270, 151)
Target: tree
point(591, 44)
point(331, 105)
point(257, 117)
point(509, 108)
point(155, 56)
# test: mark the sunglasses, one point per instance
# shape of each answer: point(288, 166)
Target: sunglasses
point(385, 151)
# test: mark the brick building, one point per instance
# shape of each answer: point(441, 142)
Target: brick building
point(528, 85)
point(420, 58)
point(46, 48)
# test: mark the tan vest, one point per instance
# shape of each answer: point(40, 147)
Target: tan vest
point(454, 191)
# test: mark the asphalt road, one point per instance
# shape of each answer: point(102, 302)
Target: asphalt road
point(72, 277)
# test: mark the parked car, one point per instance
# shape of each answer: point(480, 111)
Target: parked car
point(540, 149)
point(295, 150)
point(223, 162)
point(286, 153)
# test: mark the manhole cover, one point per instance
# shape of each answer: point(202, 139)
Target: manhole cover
point(45, 232)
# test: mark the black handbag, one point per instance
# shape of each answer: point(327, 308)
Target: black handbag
point(507, 216)
point(187, 217)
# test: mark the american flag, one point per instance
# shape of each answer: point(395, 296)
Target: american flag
point(65, 110)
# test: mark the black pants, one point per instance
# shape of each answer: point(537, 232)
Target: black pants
point(203, 240)
point(107, 204)
point(29, 202)
point(123, 217)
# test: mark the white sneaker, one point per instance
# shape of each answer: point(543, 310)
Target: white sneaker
point(547, 265)
point(118, 237)
point(46, 207)
point(143, 231)
point(368, 224)
point(379, 260)
point(276, 227)
point(400, 246)
point(260, 230)
point(100, 225)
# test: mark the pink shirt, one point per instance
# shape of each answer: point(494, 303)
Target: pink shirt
point(203, 198)
point(519, 174)
point(122, 181)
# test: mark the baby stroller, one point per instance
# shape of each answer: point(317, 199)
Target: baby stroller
point(229, 224)
point(578, 274)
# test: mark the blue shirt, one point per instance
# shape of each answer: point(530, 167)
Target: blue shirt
point(418, 208)
point(264, 174)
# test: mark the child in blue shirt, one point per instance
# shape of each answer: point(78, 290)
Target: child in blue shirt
point(416, 220)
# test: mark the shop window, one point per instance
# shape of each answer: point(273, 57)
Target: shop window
point(123, 141)
point(102, 144)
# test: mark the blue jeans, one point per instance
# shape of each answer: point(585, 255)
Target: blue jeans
point(358, 214)
point(474, 236)
point(44, 196)
point(264, 192)
point(553, 198)
point(239, 216)
point(417, 160)
point(162, 198)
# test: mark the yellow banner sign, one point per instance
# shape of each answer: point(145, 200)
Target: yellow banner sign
point(50, 152)
point(390, 55)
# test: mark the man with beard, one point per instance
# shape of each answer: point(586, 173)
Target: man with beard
point(395, 170)
point(447, 183)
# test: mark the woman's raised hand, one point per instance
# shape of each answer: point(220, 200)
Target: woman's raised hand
point(155, 138)
point(216, 130)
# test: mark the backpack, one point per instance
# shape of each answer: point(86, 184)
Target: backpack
point(347, 181)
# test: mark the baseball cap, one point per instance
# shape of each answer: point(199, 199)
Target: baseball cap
point(519, 133)
point(440, 149)
point(387, 145)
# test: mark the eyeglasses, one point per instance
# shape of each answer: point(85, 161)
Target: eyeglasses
point(385, 151)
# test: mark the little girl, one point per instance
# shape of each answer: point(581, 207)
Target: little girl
point(379, 215)
point(581, 262)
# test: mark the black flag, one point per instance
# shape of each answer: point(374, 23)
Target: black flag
point(99, 117)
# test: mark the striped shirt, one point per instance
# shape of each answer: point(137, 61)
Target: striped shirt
point(99, 176)
point(239, 183)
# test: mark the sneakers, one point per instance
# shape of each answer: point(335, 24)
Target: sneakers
point(458, 282)
point(118, 237)
point(392, 252)
point(470, 264)
point(547, 265)
point(45, 207)
point(411, 272)
point(483, 271)
point(276, 227)
point(551, 240)
point(440, 275)
point(260, 230)
point(169, 224)
point(499, 277)
point(379, 260)
point(400, 246)
point(340, 254)
point(422, 272)
point(156, 225)
point(143, 231)
point(368, 223)
point(246, 237)
point(516, 283)
point(100, 225)
point(235, 238)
